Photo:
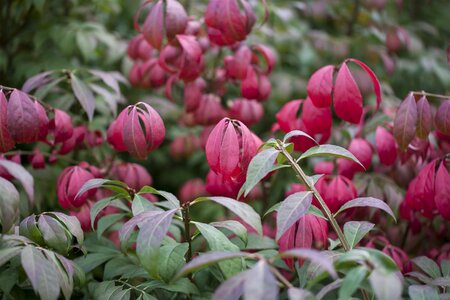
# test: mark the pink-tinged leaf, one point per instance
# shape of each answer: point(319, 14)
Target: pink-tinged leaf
point(190, 46)
point(6, 141)
point(291, 210)
point(261, 283)
point(22, 118)
point(317, 120)
point(316, 257)
point(214, 143)
point(373, 77)
point(153, 27)
point(347, 98)
point(108, 78)
point(442, 191)
point(43, 121)
point(386, 146)
point(233, 22)
point(442, 118)
point(424, 118)
point(22, 175)
point(367, 202)
point(233, 288)
point(84, 95)
point(9, 205)
point(294, 133)
point(36, 81)
point(405, 122)
point(269, 57)
point(176, 19)
point(320, 86)
point(250, 85)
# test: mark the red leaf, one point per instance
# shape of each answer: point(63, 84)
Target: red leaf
point(317, 120)
point(375, 82)
point(320, 86)
point(193, 93)
point(442, 188)
point(424, 117)
point(133, 135)
point(347, 97)
point(6, 141)
point(176, 19)
point(269, 57)
point(22, 118)
point(386, 146)
point(43, 121)
point(229, 152)
point(62, 126)
point(442, 118)
point(250, 86)
point(405, 122)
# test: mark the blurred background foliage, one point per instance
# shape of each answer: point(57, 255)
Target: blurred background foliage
point(403, 41)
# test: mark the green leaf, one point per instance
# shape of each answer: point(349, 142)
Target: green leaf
point(354, 231)
point(7, 254)
point(330, 150)
point(9, 205)
point(93, 260)
point(114, 185)
point(234, 226)
point(28, 227)
point(422, 292)
point(445, 267)
point(261, 283)
point(299, 294)
point(386, 285)
point(149, 239)
point(65, 273)
point(107, 221)
point(259, 167)
point(84, 95)
point(352, 281)
point(171, 259)
point(428, 266)
point(98, 207)
point(207, 259)
point(72, 225)
point(367, 202)
point(121, 267)
point(141, 204)
point(328, 288)
point(217, 241)
point(298, 133)
point(232, 288)
point(54, 234)
point(174, 202)
point(241, 209)
point(41, 273)
point(260, 242)
point(291, 210)
point(183, 285)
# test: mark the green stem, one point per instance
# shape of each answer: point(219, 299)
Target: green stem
point(187, 231)
point(303, 177)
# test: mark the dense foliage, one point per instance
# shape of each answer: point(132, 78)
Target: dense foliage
point(222, 149)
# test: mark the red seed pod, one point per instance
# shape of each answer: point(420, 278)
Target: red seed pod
point(134, 175)
point(138, 129)
point(218, 185)
point(405, 122)
point(143, 130)
point(152, 75)
point(68, 185)
point(442, 191)
point(61, 126)
point(324, 167)
point(232, 26)
point(236, 66)
point(191, 63)
point(165, 20)
point(362, 150)
point(317, 120)
point(386, 146)
point(184, 146)
point(37, 160)
point(209, 111)
point(347, 98)
point(75, 140)
point(22, 118)
point(248, 112)
point(308, 232)
point(320, 86)
point(191, 190)
point(6, 141)
point(229, 148)
point(255, 86)
point(424, 118)
point(442, 118)
point(193, 92)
